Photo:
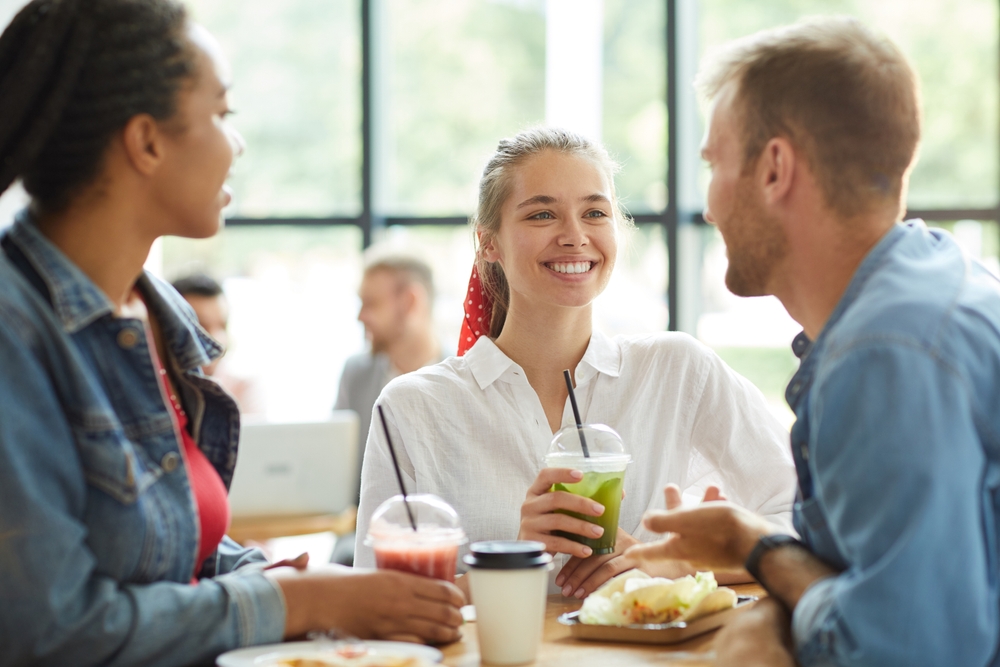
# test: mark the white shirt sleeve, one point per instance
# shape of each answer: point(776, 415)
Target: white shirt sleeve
point(744, 444)
point(378, 477)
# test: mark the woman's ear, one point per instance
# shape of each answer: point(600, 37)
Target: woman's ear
point(487, 247)
point(142, 140)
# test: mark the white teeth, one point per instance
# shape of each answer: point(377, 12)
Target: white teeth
point(571, 267)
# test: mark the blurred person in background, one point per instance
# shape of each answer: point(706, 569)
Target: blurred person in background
point(397, 310)
point(115, 450)
point(205, 295)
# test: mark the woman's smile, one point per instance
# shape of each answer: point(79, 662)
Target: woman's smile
point(570, 268)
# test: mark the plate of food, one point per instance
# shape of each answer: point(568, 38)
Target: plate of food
point(332, 654)
point(634, 607)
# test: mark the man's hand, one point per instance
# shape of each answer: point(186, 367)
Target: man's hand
point(580, 577)
point(539, 519)
point(370, 604)
point(715, 535)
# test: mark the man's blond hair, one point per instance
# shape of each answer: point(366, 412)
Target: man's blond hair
point(843, 94)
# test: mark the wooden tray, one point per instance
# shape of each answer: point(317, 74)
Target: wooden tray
point(665, 633)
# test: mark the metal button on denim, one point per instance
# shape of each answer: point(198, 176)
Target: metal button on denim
point(127, 338)
point(170, 461)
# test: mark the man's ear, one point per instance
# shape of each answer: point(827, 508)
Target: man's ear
point(411, 296)
point(776, 169)
point(143, 141)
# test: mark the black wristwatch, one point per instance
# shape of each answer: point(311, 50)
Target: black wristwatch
point(764, 544)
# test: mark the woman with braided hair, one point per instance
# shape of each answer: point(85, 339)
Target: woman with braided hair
point(115, 450)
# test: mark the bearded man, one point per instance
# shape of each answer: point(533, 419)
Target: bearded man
point(813, 132)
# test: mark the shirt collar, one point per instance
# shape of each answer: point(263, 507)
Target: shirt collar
point(189, 344)
point(868, 266)
point(76, 300)
point(802, 346)
point(603, 355)
point(488, 363)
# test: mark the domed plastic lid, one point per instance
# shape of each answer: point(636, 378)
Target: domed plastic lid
point(437, 521)
point(605, 446)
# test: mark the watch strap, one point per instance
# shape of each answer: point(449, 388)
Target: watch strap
point(764, 544)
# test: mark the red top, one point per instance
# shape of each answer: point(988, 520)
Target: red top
point(209, 493)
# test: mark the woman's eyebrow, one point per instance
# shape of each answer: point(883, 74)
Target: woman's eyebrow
point(537, 199)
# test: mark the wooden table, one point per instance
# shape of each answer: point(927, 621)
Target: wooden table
point(261, 529)
point(558, 649)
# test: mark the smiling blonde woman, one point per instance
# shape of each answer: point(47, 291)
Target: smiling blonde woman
point(474, 429)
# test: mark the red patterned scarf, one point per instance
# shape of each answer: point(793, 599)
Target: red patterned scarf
point(478, 313)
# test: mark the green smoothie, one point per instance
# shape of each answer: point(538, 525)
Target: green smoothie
point(605, 488)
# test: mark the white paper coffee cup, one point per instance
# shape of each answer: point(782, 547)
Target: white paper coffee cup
point(509, 582)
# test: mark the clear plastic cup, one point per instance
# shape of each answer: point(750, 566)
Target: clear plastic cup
point(431, 550)
point(603, 477)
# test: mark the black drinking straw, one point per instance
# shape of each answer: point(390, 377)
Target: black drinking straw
point(576, 412)
point(395, 464)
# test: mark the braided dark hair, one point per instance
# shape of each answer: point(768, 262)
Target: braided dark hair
point(72, 73)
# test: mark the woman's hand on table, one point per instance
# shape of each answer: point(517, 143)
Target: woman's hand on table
point(580, 577)
point(371, 604)
point(539, 518)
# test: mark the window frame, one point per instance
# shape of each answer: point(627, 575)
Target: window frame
point(682, 207)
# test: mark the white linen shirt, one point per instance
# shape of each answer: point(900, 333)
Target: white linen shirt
point(473, 431)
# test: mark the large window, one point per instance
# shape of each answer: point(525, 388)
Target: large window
point(369, 122)
point(296, 68)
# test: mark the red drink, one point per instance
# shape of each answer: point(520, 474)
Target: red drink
point(420, 536)
point(437, 561)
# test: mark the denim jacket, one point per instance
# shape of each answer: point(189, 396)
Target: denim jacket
point(897, 449)
point(98, 531)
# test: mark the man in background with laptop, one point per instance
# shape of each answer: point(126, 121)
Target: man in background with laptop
point(812, 135)
point(397, 304)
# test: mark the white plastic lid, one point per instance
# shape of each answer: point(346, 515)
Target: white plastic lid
point(605, 446)
point(437, 521)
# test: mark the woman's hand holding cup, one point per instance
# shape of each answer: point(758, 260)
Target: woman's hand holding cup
point(539, 519)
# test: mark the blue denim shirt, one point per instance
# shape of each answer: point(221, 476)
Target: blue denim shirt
point(897, 448)
point(98, 532)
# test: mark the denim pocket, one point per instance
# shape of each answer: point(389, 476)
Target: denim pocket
point(110, 461)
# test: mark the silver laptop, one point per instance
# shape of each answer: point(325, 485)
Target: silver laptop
point(301, 468)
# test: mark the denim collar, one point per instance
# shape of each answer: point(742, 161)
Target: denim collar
point(489, 364)
point(77, 302)
point(802, 347)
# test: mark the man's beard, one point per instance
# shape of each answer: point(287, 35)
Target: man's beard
point(754, 244)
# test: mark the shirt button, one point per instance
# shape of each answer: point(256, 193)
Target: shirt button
point(127, 338)
point(170, 461)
